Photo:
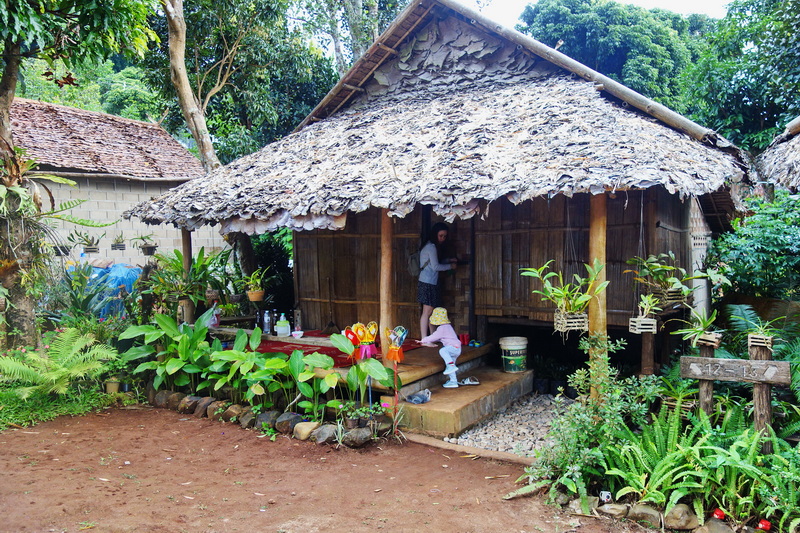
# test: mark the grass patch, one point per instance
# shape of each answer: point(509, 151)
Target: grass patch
point(41, 407)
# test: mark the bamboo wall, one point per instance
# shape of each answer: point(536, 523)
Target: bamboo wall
point(339, 270)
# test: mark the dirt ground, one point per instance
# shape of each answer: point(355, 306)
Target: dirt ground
point(154, 470)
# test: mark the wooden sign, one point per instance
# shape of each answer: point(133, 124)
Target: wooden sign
point(710, 368)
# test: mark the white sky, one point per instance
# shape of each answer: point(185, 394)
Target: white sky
point(507, 12)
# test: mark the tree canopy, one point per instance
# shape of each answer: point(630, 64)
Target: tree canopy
point(746, 83)
point(645, 50)
point(252, 76)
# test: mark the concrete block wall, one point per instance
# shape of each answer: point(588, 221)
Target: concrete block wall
point(106, 200)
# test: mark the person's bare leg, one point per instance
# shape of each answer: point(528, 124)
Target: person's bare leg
point(424, 321)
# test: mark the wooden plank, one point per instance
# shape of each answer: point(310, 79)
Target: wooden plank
point(709, 368)
point(762, 397)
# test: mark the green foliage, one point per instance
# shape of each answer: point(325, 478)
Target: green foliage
point(177, 353)
point(171, 281)
point(77, 31)
point(276, 76)
point(362, 371)
point(652, 464)
point(645, 50)
point(73, 360)
point(700, 323)
point(40, 407)
point(761, 256)
point(746, 82)
point(568, 297)
point(586, 429)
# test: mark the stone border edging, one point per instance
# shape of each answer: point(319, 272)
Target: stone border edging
point(488, 454)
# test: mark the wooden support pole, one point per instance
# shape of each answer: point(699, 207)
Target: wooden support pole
point(762, 396)
point(186, 246)
point(598, 306)
point(706, 386)
point(387, 318)
point(598, 224)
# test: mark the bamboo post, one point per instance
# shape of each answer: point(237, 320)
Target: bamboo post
point(762, 396)
point(706, 386)
point(386, 303)
point(598, 223)
point(186, 246)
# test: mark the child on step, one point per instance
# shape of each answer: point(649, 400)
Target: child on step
point(451, 345)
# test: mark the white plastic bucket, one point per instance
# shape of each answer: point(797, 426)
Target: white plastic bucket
point(514, 351)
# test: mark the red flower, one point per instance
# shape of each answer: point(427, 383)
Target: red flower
point(719, 514)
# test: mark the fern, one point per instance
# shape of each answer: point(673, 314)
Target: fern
point(72, 358)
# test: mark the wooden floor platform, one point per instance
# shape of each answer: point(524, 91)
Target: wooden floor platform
point(450, 412)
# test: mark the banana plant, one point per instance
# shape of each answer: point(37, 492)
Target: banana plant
point(179, 352)
point(358, 376)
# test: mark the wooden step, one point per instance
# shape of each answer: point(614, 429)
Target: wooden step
point(450, 412)
point(422, 367)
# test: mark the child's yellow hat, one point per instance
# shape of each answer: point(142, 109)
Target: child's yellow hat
point(439, 316)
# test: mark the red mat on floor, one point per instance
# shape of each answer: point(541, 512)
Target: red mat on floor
point(339, 359)
point(410, 344)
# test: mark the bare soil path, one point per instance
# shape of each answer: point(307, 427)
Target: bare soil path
point(154, 470)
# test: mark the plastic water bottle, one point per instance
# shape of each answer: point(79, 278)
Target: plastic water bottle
point(266, 325)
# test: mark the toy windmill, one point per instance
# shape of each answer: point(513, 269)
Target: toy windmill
point(397, 337)
point(366, 337)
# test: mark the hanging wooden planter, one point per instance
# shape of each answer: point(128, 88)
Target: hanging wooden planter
point(148, 249)
point(641, 324)
point(3, 304)
point(564, 322)
point(669, 296)
point(117, 245)
point(710, 338)
point(91, 249)
point(759, 340)
point(61, 250)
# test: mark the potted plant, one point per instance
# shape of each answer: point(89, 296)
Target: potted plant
point(114, 370)
point(644, 323)
point(62, 250)
point(743, 318)
point(570, 298)
point(253, 285)
point(145, 243)
point(90, 243)
point(665, 279)
point(698, 329)
point(118, 242)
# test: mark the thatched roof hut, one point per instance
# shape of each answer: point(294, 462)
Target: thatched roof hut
point(448, 109)
point(447, 115)
point(780, 162)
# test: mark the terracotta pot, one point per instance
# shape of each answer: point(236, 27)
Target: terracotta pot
point(255, 296)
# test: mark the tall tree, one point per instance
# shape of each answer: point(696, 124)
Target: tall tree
point(251, 82)
point(746, 84)
point(74, 31)
point(645, 50)
point(349, 26)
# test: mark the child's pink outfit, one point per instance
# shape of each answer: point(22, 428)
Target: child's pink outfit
point(449, 352)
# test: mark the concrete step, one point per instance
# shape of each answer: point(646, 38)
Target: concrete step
point(450, 412)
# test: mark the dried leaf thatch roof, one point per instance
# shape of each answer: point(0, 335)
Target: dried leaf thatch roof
point(448, 110)
point(70, 141)
point(780, 162)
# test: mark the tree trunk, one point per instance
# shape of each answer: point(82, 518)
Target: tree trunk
point(192, 112)
point(8, 87)
point(15, 245)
